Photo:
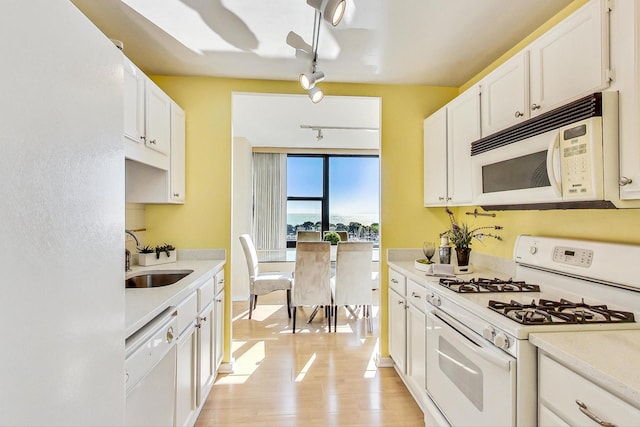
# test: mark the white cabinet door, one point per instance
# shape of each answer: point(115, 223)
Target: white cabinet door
point(186, 379)
point(177, 169)
point(570, 60)
point(560, 389)
point(218, 330)
point(134, 82)
point(397, 330)
point(463, 127)
point(416, 348)
point(505, 95)
point(435, 158)
point(158, 119)
point(206, 374)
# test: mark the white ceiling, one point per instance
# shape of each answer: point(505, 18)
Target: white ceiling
point(429, 42)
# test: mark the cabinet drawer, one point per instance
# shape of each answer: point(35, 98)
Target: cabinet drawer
point(219, 279)
point(187, 311)
point(397, 282)
point(416, 294)
point(205, 293)
point(560, 387)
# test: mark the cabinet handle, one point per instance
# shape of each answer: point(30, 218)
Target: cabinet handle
point(219, 300)
point(441, 198)
point(400, 302)
point(624, 181)
point(170, 335)
point(448, 198)
point(143, 137)
point(176, 194)
point(594, 417)
point(535, 107)
point(153, 141)
point(413, 294)
point(394, 281)
point(519, 114)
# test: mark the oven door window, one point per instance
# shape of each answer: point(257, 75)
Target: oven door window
point(471, 381)
point(529, 171)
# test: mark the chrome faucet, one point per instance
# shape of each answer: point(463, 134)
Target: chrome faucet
point(127, 252)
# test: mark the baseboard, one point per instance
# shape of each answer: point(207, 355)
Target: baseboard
point(227, 367)
point(383, 362)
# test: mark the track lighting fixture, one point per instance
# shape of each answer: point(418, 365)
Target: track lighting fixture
point(331, 10)
point(316, 94)
point(309, 80)
point(320, 136)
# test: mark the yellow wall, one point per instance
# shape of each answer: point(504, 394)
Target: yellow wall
point(204, 220)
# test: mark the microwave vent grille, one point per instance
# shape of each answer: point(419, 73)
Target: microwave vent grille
point(583, 108)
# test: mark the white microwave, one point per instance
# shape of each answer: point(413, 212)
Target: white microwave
point(547, 170)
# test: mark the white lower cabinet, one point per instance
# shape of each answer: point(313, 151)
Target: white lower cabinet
point(200, 347)
point(186, 403)
point(397, 320)
point(565, 397)
point(218, 322)
point(407, 333)
point(416, 339)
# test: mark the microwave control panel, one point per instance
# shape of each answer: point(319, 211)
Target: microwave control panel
point(579, 173)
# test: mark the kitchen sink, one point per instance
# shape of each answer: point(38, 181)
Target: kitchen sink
point(157, 279)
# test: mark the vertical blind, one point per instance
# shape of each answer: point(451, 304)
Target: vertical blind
point(270, 200)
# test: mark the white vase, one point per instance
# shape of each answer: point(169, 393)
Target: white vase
point(152, 259)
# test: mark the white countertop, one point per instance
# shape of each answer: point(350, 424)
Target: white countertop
point(143, 305)
point(608, 358)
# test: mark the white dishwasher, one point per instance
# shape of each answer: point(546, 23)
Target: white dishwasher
point(150, 373)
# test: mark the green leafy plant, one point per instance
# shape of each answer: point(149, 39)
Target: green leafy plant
point(146, 249)
point(166, 248)
point(461, 235)
point(332, 237)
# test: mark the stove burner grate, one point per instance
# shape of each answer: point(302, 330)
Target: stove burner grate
point(488, 285)
point(563, 311)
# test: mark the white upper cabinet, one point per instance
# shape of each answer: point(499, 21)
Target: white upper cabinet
point(177, 171)
point(448, 134)
point(569, 61)
point(572, 59)
point(463, 127)
point(134, 81)
point(505, 95)
point(146, 119)
point(435, 158)
point(158, 119)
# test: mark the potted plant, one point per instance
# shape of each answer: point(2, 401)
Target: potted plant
point(161, 254)
point(332, 237)
point(461, 236)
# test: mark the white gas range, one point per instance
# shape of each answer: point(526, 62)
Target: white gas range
point(481, 368)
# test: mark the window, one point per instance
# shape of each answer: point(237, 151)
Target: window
point(333, 193)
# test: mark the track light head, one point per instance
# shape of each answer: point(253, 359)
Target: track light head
point(331, 10)
point(309, 80)
point(316, 94)
point(320, 136)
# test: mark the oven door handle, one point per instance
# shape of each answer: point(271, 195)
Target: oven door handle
point(480, 349)
point(556, 186)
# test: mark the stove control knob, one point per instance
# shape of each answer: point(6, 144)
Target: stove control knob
point(533, 250)
point(501, 341)
point(435, 301)
point(488, 333)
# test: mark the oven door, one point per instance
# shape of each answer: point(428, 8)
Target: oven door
point(471, 381)
point(526, 171)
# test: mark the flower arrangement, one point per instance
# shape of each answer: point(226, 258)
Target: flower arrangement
point(461, 235)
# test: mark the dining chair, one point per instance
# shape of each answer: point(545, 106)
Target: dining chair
point(308, 236)
point(266, 282)
point(354, 280)
point(311, 278)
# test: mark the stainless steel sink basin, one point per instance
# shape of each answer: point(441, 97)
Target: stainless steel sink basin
point(150, 279)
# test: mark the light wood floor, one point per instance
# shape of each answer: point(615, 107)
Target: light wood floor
point(312, 378)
